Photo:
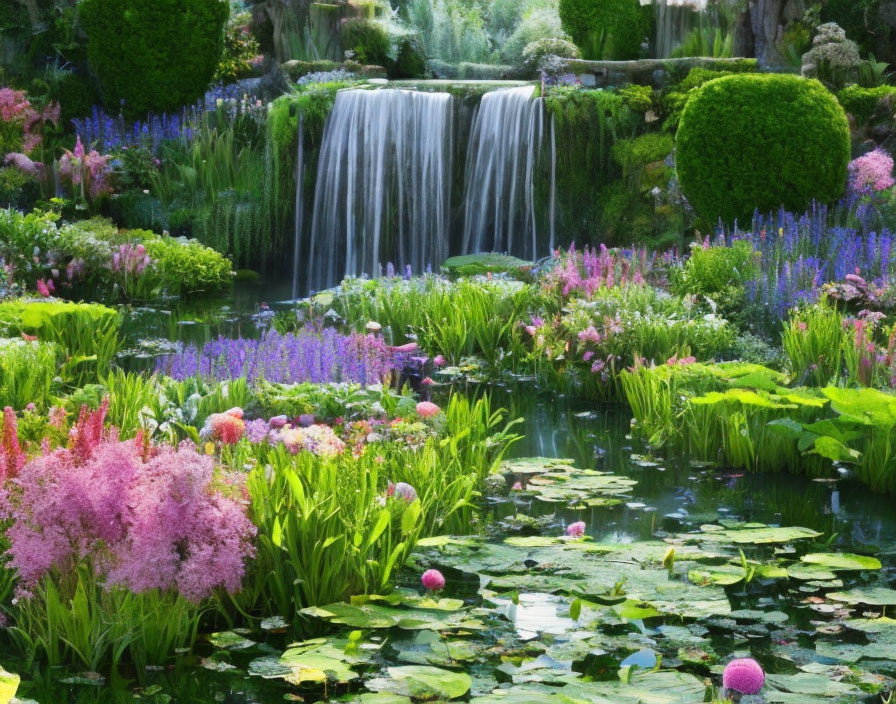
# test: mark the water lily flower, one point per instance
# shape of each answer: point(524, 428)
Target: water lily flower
point(433, 580)
point(576, 530)
point(743, 675)
point(427, 409)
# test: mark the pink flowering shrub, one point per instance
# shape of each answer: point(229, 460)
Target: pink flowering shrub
point(87, 172)
point(144, 518)
point(872, 171)
point(21, 123)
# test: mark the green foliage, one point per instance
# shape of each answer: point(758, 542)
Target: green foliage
point(706, 41)
point(737, 131)
point(718, 272)
point(185, 266)
point(88, 334)
point(455, 319)
point(411, 59)
point(240, 48)
point(27, 370)
point(586, 124)
point(814, 340)
point(368, 39)
point(156, 56)
point(331, 401)
point(535, 53)
point(606, 29)
point(860, 19)
point(634, 154)
point(861, 102)
point(636, 98)
point(324, 531)
point(677, 96)
point(80, 620)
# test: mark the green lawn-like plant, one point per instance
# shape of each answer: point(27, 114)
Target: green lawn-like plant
point(27, 370)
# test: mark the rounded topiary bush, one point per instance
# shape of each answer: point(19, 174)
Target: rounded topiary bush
point(761, 141)
point(606, 29)
point(153, 56)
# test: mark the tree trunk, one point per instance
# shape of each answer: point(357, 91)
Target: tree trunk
point(766, 23)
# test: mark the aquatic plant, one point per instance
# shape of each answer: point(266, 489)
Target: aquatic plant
point(576, 530)
point(813, 340)
point(27, 370)
point(432, 581)
point(310, 354)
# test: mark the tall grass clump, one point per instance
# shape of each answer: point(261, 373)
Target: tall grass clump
point(27, 370)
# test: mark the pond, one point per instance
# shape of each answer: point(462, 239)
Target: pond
point(515, 627)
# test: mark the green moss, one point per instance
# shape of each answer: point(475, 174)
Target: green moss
point(368, 39)
point(761, 141)
point(634, 154)
point(472, 264)
point(153, 56)
point(637, 98)
point(862, 102)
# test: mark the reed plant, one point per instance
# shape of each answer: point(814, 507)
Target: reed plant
point(814, 341)
point(27, 370)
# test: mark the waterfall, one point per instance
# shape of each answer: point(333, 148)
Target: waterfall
point(505, 144)
point(300, 208)
point(383, 184)
point(674, 19)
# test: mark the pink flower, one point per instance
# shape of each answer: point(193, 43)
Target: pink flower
point(402, 490)
point(427, 381)
point(576, 530)
point(427, 409)
point(225, 427)
point(516, 487)
point(433, 580)
point(406, 348)
point(439, 361)
point(42, 288)
point(743, 675)
point(25, 164)
point(531, 329)
point(277, 422)
point(873, 170)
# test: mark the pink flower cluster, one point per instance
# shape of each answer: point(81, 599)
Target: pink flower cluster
point(143, 518)
point(873, 171)
point(16, 109)
point(130, 259)
point(318, 439)
point(86, 172)
point(12, 457)
point(587, 271)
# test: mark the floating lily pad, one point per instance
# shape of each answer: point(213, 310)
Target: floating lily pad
point(376, 616)
point(423, 682)
point(534, 465)
point(873, 596)
point(841, 561)
point(230, 640)
point(751, 534)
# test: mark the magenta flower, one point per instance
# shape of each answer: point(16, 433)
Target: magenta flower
point(427, 409)
point(277, 422)
point(43, 289)
point(743, 675)
point(433, 581)
point(576, 530)
point(873, 170)
point(438, 361)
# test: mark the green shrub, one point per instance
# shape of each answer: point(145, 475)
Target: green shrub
point(368, 39)
point(153, 56)
point(761, 141)
point(606, 29)
point(861, 102)
point(411, 59)
point(187, 266)
point(677, 96)
point(637, 98)
point(711, 271)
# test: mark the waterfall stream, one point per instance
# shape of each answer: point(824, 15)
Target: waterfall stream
point(505, 145)
point(383, 184)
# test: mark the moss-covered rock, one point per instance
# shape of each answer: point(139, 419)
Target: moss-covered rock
point(491, 263)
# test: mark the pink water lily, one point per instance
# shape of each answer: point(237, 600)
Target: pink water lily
point(576, 530)
point(433, 581)
point(743, 675)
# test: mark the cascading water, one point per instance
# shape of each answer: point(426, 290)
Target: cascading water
point(299, 208)
point(505, 146)
point(383, 185)
point(674, 19)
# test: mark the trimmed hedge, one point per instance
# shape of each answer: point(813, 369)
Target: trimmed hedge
point(606, 29)
point(153, 56)
point(862, 102)
point(761, 141)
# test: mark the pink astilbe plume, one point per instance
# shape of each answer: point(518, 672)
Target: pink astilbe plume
point(12, 457)
point(87, 433)
point(143, 520)
point(86, 171)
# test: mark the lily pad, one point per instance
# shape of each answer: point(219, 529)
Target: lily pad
point(423, 682)
point(873, 596)
point(844, 561)
point(752, 535)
